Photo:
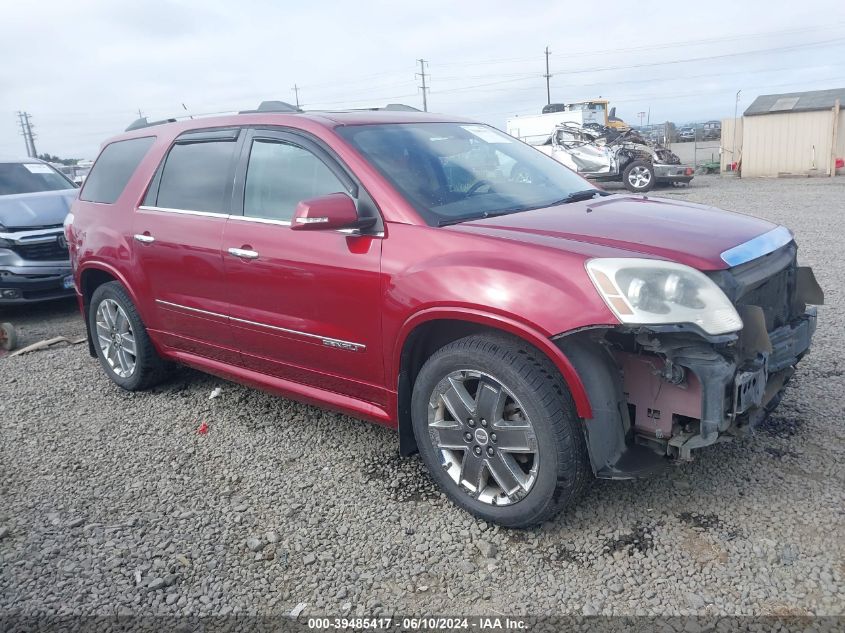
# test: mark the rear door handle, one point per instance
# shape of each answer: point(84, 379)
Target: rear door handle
point(243, 253)
point(144, 239)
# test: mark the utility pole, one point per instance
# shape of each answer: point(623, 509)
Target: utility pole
point(734, 161)
point(296, 92)
point(642, 116)
point(140, 114)
point(424, 88)
point(28, 136)
point(23, 132)
point(548, 76)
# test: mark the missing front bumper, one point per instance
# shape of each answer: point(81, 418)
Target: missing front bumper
point(685, 393)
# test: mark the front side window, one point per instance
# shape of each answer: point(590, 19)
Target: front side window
point(197, 176)
point(113, 169)
point(280, 176)
point(451, 172)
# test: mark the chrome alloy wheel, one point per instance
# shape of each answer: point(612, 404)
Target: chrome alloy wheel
point(484, 438)
point(116, 338)
point(639, 177)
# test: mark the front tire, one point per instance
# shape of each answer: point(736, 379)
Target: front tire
point(123, 346)
point(638, 176)
point(497, 428)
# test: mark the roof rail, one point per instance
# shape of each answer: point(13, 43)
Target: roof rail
point(137, 124)
point(272, 106)
point(398, 107)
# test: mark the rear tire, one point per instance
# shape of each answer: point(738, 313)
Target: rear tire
point(548, 467)
point(638, 176)
point(123, 346)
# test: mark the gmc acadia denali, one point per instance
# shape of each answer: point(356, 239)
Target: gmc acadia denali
point(523, 334)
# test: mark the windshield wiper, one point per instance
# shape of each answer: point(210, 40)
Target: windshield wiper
point(577, 196)
point(482, 216)
point(580, 196)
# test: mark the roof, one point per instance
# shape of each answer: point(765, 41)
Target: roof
point(796, 102)
point(395, 113)
point(308, 121)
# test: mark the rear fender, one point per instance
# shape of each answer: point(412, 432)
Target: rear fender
point(83, 300)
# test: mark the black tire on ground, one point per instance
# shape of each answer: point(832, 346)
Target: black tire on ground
point(8, 337)
point(563, 467)
point(638, 176)
point(149, 369)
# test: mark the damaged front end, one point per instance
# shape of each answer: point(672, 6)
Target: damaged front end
point(664, 390)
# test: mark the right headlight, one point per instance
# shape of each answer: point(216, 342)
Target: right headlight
point(655, 292)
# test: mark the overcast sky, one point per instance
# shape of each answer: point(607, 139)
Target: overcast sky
point(83, 68)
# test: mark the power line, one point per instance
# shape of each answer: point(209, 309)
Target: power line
point(648, 64)
point(708, 40)
point(569, 55)
point(665, 45)
point(357, 79)
point(704, 58)
point(674, 96)
point(367, 100)
point(610, 84)
point(424, 89)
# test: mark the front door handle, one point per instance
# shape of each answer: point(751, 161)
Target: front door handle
point(243, 253)
point(144, 238)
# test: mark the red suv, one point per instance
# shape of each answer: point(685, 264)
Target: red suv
point(521, 329)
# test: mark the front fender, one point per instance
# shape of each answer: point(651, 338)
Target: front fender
point(531, 290)
point(524, 331)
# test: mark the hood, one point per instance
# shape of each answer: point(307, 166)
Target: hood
point(33, 210)
point(692, 234)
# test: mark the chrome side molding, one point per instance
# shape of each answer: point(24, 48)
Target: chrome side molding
point(336, 343)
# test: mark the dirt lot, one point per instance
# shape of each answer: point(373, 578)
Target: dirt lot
point(110, 502)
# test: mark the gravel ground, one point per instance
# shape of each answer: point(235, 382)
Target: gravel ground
point(111, 502)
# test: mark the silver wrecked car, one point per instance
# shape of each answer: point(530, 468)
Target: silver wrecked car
point(34, 263)
point(604, 154)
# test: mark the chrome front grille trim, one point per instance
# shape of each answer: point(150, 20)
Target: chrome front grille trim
point(757, 247)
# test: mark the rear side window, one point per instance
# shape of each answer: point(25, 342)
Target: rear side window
point(198, 177)
point(114, 168)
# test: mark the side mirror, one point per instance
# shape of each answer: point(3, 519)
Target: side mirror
point(330, 212)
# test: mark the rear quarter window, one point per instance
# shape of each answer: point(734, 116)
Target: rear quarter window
point(113, 169)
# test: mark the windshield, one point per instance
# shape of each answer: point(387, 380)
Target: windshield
point(456, 171)
point(30, 178)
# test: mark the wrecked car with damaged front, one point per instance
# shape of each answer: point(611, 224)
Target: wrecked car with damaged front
point(522, 330)
point(604, 154)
